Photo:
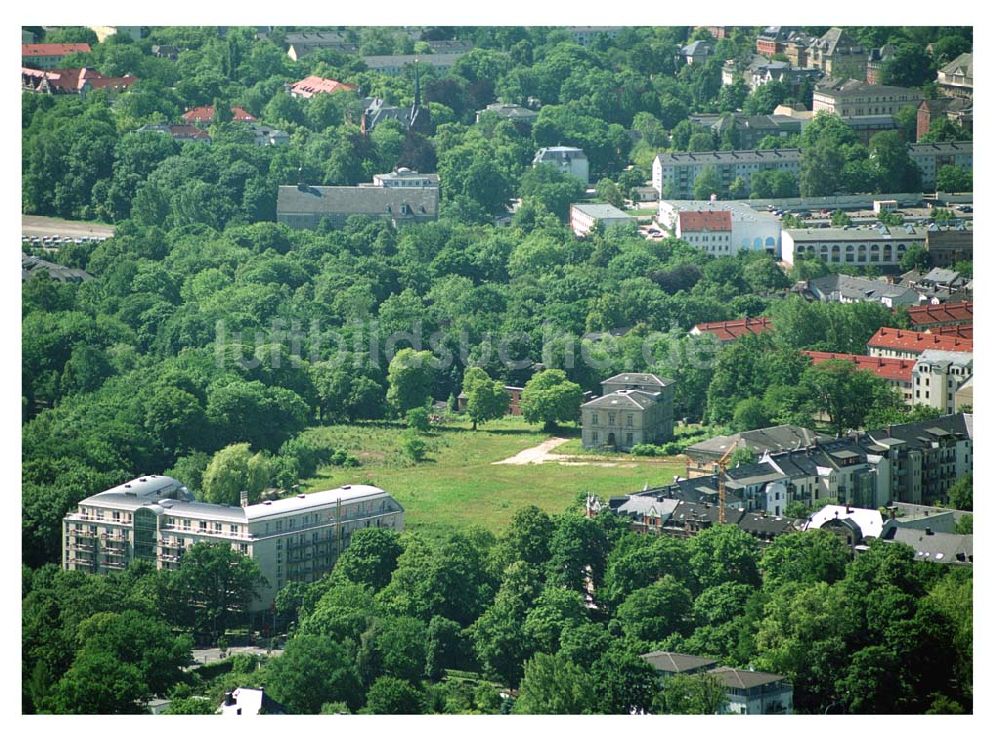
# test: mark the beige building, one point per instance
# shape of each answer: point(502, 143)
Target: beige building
point(634, 409)
point(837, 55)
point(584, 217)
point(852, 101)
point(938, 377)
point(955, 77)
point(155, 518)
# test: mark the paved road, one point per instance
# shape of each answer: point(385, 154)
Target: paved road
point(42, 226)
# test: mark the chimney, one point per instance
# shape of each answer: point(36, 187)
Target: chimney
point(228, 700)
point(244, 498)
point(928, 531)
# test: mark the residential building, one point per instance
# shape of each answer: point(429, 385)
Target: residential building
point(685, 508)
point(178, 132)
point(838, 55)
point(513, 409)
point(674, 174)
point(879, 245)
point(956, 109)
point(32, 266)
point(204, 116)
point(955, 77)
point(156, 519)
point(729, 330)
point(667, 664)
point(947, 245)
point(302, 44)
point(305, 206)
point(955, 331)
point(849, 289)
point(721, 227)
point(78, 81)
point(744, 132)
point(926, 317)
point(876, 60)
point(508, 111)
point(314, 85)
point(49, 56)
point(395, 64)
point(586, 35)
point(933, 547)
point(897, 371)
point(405, 178)
point(794, 78)
point(855, 524)
point(264, 135)
point(785, 40)
point(585, 217)
point(566, 159)
point(703, 457)
point(754, 691)
point(896, 343)
point(925, 458)
point(860, 100)
point(164, 51)
point(634, 409)
point(697, 52)
point(937, 377)
point(930, 157)
point(717, 32)
point(963, 396)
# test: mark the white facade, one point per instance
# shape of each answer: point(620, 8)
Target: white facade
point(566, 159)
point(880, 246)
point(937, 377)
point(155, 518)
point(752, 230)
point(583, 218)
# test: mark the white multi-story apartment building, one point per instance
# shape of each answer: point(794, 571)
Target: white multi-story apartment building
point(155, 518)
point(566, 159)
point(674, 173)
point(938, 376)
point(930, 157)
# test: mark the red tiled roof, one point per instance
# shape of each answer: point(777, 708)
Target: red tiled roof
point(73, 80)
point(956, 331)
point(729, 330)
point(717, 220)
point(927, 315)
point(206, 114)
point(53, 49)
point(891, 369)
point(916, 342)
point(314, 85)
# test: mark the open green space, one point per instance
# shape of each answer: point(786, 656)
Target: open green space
point(459, 485)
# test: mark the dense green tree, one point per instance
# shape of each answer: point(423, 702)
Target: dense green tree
point(724, 553)
point(233, 470)
point(411, 375)
point(390, 695)
point(486, 399)
point(701, 693)
point(951, 178)
point(312, 671)
point(707, 183)
point(960, 493)
point(553, 684)
point(549, 397)
point(654, 613)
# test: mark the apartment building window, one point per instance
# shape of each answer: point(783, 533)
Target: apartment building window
point(218, 528)
point(628, 420)
point(202, 526)
point(277, 525)
point(611, 418)
point(593, 437)
point(186, 524)
point(116, 516)
point(233, 529)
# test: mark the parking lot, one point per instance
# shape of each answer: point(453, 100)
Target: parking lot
point(46, 232)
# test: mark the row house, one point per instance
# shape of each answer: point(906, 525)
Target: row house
point(897, 343)
point(897, 371)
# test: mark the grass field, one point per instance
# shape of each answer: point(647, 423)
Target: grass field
point(458, 485)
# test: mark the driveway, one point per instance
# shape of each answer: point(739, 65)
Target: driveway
point(538, 454)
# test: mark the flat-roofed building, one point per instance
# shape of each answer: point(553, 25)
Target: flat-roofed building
point(305, 206)
point(721, 228)
point(585, 217)
point(395, 64)
point(674, 174)
point(156, 519)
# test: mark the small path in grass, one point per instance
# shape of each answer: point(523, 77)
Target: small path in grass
point(537, 454)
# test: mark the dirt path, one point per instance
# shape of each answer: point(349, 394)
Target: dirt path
point(42, 226)
point(538, 454)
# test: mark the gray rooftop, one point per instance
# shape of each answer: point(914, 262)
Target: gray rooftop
point(375, 201)
point(601, 211)
point(779, 437)
point(624, 399)
point(730, 157)
point(389, 61)
point(745, 679)
point(857, 233)
point(945, 358)
point(637, 379)
point(557, 153)
point(936, 547)
point(667, 662)
point(859, 288)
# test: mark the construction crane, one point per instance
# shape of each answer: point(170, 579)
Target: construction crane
point(722, 465)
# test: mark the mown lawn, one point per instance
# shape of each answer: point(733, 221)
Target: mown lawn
point(458, 485)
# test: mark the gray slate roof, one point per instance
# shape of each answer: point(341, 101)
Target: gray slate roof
point(357, 200)
point(745, 679)
point(779, 437)
point(667, 662)
point(938, 547)
point(624, 399)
